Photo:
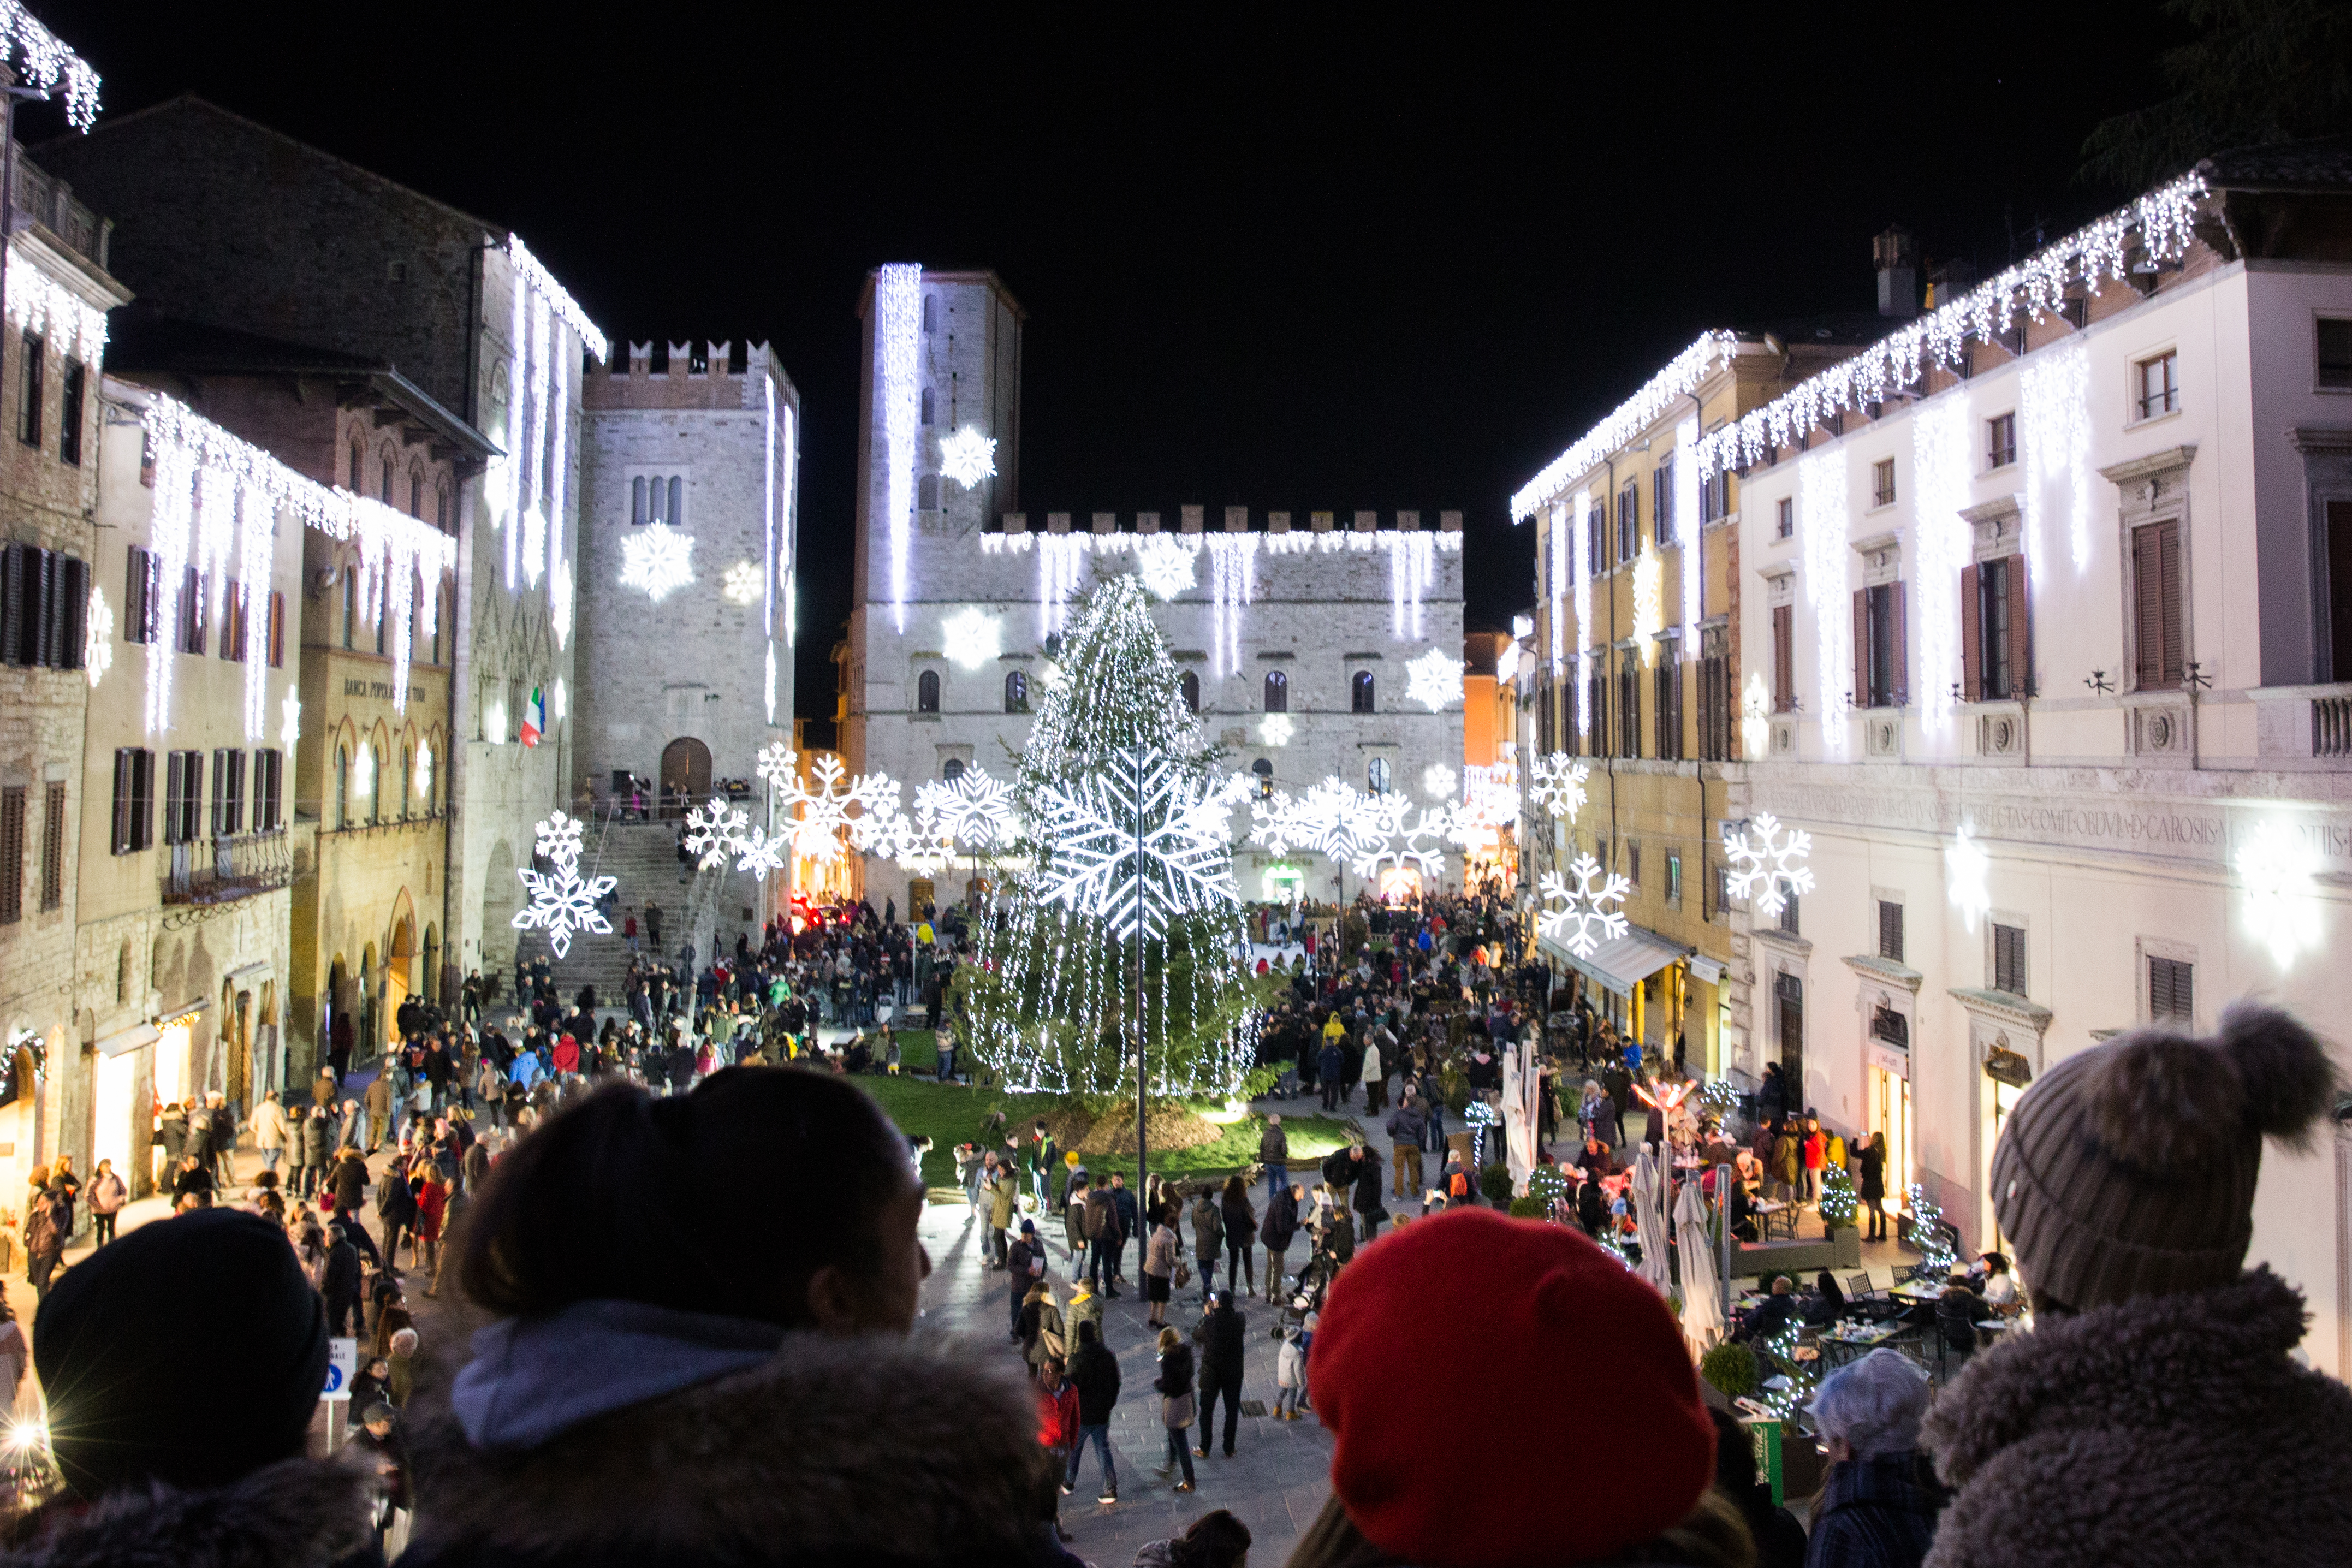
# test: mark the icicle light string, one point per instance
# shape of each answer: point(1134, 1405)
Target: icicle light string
point(40, 60)
point(1629, 419)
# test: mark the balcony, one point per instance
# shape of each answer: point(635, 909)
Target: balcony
point(49, 202)
point(228, 867)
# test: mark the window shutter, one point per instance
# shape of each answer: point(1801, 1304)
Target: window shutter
point(1971, 634)
point(2174, 633)
point(74, 597)
point(2021, 629)
point(51, 652)
point(12, 855)
point(12, 601)
point(118, 838)
point(134, 596)
point(220, 792)
point(143, 798)
point(1860, 647)
point(277, 630)
point(1898, 643)
point(1784, 663)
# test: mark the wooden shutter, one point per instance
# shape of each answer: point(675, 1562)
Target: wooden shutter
point(1784, 661)
point(1971, 634)
point(2020, 630)
point(1898, 646)
point(118, 838)
point(2175, 630)
point(12, 855)
point(51, 654)
point(53, 849)
point(73, 582)
point(1861, 692)
point(277, 630)
point(143, 798)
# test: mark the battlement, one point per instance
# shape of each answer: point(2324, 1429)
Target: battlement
point(1193, 520)
point(683, 375)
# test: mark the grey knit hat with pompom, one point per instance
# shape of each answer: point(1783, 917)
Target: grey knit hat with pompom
point(2129, 1169)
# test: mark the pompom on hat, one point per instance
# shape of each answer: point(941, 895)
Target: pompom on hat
point(2129, 1169)
point(1471, 1311)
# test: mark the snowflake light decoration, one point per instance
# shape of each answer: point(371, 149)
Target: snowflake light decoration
point(971, 809)
point(561, 901)
point(742, 583)
point(1583, 910)
point(1434, 679)
point(289, 719)
point(775, 764)
point(98, 638)
point(659, 559)
point(1765, 866)
point(968, 456)
point(1755, 729)
point(1556, 784)
point(822, 817)
point(1437, 781)
point(1413, 837)
point(2277, 877)
point(1967, 878)
point(1132, 847)
point(761, 853)
point(1276, 729)
point(1164, 564)
point(1330, 818)
point(712, 832)
point(561, 598)
point(972, 637)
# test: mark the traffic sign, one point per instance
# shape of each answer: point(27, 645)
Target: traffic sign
point(343, 1366)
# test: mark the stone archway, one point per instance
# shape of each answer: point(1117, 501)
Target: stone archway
point(399, 975)
point(685, 776)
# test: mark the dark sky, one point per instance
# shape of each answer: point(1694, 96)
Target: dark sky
point(1290, 263)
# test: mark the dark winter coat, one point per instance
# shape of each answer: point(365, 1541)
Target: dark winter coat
point(1877, 1512)
point(1281, 1222)
point(1208, 1229)
point(902, 1450)
point(1870, 1173)
point(1241, 1221)
point(1368, 1187)
point(2170, 1429)
point(1094, 1373)
point(297, 1514)
point(1274, 1147)
point(1219, 1336)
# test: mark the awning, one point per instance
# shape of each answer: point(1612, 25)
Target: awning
point(1620, 966)
point(258, 970)
point(1706, 969)
point(129, 1040)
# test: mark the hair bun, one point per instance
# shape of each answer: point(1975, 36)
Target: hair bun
point(2288, 1079)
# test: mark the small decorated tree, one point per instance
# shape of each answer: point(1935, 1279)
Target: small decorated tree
point(1936, 1257)
point(1837, 1205)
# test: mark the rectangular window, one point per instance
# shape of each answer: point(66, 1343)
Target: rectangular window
point(12, 855)
point(1629, 710)
point(44, 597)
point(1666, 704)
point(228, 792)
point(192, 611)
point(278, 632)
point(1633, 861)
point(141, 595)
point(1662, 503)
point(76, 383)
point(53, 849)
point(2172, 992)
point(2158, 631)
point(351, 604)
point(1890, 931)
point(233, 623)
point(1882, 482)
point(183, 796)
point(2334, 354)
point(1878, 646)
point(1629, 520)
point(1784, 658)
point(1713, 704)
point(1784, 519)
point(1596, 547)
point(2158, 382)
point(1674, 879)
point(32, 354)
point(134, 800)
point(1996, 631)
point(268, 781)
point(2001, 441)
point(2009, 959)
point(1788, 921)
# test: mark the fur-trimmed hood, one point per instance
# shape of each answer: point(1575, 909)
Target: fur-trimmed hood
point(877, 1449)
point(299, 1514)
point(2166, 1429)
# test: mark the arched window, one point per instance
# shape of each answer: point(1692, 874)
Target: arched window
point(373, 784)
point(416, 492)
point(351, 604)
point(1191, 683)
point(926, 692)
point(952, 770)
point(675, 515)
point(1376, 776)
point(927, 493)
point(1277, 691)
point(384, 613)
point(441, 506)
point(927, 405)
point(407, 776)
point(637, 514)
point(359, 469)
point(1264, 772)
point(1359, 692)
point(383, 488)
point(1016, 692)
point(343, 788)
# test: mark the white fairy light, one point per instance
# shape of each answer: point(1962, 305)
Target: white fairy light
point(567, 310)
point(1507, 664)
point(972, 638)
point(39, 60)
point(971, 809)
point(742, 583)
point(1579, 917)
point(97, 638)
point(363, 772)
point(2162, 220)
point(1276, 730)
point(562, 599)
point(561, 901)
point(1165, 564)
point(536, 374)
point(1767, 867)
point(821, 816)
point(560, 702)
point(1434, 679)
point(771, 681)
point(657, 559)
point(564, 362)
point(1232, 584)
point(1437, 781)
point(1967, 878)
point(1580, 545)
point(1627, 420)
point(40, 302)
point(1413, 570)
point(1555, 785)
point(2281, 911)
point(1649, 602)
point(494, 722)
point(1132, 847)
point(968, 456)
point(1755, 726)
point(2054, 417)
point(1558, 555)
point(1332, 818)
point(1059, 559)
point(1821, 540)
point(897, 334)
point(1490, 798)
point(290, 718)
point(1689, 532)
point(1940, 457)
point(424, 771)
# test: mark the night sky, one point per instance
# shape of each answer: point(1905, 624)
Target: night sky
point(1288, 263)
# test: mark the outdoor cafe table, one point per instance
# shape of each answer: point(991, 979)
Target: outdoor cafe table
point(1848, 1341)
point(1777, 1216)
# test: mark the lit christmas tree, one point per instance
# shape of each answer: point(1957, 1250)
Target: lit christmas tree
point(1937, 1258)
point(1837, 1197)
point(1128, 872)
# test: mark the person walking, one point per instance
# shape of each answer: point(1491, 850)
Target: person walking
point(1208, 1240)
point(1406, 1124)
point(340, 1283)
point(1290, 1369)
point(1870, 1181)
point(1003, 1195)
point(107, 1196)
point(1241, 1233)
point(317, 1140)
point(270, 1130)
point(1330, 1063)
point(1024, 1265)
point(46, 1233)
point(1280, 1224)
point(1219, 1334)
point(1095, 1371)
point(1273, 1154)
point(1158, 1267)
point(1178, 1406)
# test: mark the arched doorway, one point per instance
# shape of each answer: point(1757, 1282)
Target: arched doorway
point(685, 776)
point(237, 1046)
point(334, 1044)
point(367, 1018)
point(398, 977)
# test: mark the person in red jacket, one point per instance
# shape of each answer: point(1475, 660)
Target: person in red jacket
point(1817, 1153)
point(1057, 1425)
point(567, 1056)
point(432, 1205)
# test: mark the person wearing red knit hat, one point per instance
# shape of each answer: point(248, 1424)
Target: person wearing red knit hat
point(1496, 1314)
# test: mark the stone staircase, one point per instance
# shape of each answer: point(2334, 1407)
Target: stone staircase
point(695, 905)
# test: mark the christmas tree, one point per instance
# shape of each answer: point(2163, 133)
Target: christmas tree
point(1837, 1199)
point(1124, 875)
point(1936, 1255)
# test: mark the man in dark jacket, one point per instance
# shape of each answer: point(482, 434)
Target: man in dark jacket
point(1122, 1203)
point(1367, 1195)
point(1330, 1067)
point(1094, 1373)
point(1018, 1274)
point(341, 1284)
point(1273, 1154)
point(1406, 1125)
point(1275, 1230)
point(1219, 1336)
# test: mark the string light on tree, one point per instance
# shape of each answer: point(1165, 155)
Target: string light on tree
point(657, 559)
point(1434, 679)
point(561, 901)
point(968, 456)
point(1766, 863)
point(1937, 1258)
point(1582, 918)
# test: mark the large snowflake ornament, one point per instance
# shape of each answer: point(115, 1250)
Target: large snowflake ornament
point(562, 901)
point(822, 816)
point(761, 853)
point(712, 832)
point(1583, 919)
point(967, 457)
point(744, 582)
point(1134, 845)
point(1330, 818)
point(1556, 784)
point(289, 719)
point(1434, 679)
point(1412, 837)
point(659, 559)
point(1766, 868)
point(1164, 564)
point(776, 764)
point(971, 809)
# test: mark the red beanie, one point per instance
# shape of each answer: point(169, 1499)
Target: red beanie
point(1469, 1315)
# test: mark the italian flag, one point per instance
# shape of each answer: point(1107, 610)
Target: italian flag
point(534, 718)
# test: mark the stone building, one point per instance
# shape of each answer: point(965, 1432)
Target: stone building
point(685, 669)
point(238, 226)
point(2049, 612)
point(1312, 644)
point(59, 292)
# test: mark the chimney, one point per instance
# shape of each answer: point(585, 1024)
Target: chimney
point(1898, 273)
point(1946, 281)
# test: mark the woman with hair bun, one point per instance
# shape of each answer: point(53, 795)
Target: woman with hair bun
point(687, 1368)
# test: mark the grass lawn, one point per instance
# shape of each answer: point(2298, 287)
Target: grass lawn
point(949, 1114)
